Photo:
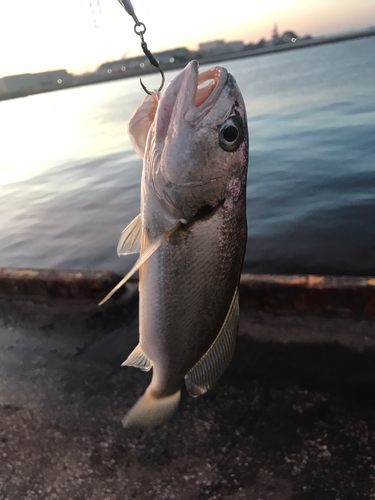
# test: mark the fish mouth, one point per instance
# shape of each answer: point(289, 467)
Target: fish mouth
point(201, 90)
point(207, 82)
point(190, 96)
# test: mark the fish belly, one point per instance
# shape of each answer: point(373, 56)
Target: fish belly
point(185, 293)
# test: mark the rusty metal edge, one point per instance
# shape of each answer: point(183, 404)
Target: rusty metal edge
point(57, 283)
point(304, 293)
point(309, 293)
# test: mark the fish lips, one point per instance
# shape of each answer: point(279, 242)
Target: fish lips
point(182, 99)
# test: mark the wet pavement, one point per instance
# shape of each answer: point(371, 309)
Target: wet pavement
point(292, 418)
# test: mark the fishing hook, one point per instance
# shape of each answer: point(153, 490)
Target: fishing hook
point(140, 30)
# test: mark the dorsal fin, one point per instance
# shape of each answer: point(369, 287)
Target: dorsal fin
point(130, 239)
point(211, 366)
point(141, 121)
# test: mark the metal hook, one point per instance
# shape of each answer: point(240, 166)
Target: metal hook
point(161, 85)
point(154, 63)
point(140, 30)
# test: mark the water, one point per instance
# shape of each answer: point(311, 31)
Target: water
point(70, 181)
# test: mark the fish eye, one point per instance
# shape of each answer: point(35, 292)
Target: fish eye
point(230, 136)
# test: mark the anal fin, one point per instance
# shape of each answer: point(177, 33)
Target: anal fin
point(130, 239)
point(138, 359)
point(213, 363)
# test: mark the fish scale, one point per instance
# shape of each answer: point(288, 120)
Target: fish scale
point(189, 307)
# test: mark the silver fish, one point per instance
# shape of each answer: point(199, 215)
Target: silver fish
point(191, 235)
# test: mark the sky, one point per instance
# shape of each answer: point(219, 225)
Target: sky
point(79, 35)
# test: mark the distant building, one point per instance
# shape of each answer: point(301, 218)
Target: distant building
point(286, 37)
point(135, 62)
point(213, 47)
point(275, 38)
point(51, 77)
point(171, 55)
point(27, 81)
point(164, 57)
point(234, 46)
point(217, 47)
point(289, 36)
point(261, 44)
point(122, 65)
point(249, 46)
point(3, 87)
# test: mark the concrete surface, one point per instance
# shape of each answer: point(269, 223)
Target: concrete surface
point(293, 418)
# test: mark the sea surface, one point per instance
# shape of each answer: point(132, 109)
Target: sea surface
point(70, 180)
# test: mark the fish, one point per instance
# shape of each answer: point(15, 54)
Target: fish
point(191, 235)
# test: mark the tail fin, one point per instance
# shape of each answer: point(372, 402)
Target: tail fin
point(150, 411)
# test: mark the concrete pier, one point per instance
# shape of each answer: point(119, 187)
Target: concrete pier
point(293, 417)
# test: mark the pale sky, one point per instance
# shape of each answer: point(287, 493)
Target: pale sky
point(79, 35)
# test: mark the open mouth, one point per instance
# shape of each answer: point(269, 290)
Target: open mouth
point(207, 82)
point(189, 96)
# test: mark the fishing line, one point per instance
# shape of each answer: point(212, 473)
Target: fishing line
point(140, 30)
point(98, 8)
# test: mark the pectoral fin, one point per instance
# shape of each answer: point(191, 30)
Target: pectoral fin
point(211, 366)
point(141, 121)
point(151, 249)
point(130, 239)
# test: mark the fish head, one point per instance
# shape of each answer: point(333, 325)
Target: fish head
point(197, 144)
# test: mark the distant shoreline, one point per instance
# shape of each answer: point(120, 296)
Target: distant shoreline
point(93, 78)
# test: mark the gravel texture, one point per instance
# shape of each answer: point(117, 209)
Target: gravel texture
point(293, 418)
